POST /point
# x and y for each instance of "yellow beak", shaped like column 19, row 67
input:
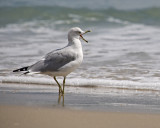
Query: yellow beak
column 83, row 34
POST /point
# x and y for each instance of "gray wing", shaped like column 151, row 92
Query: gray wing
column 53, row 61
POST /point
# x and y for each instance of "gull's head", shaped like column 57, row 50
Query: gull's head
column 76, row 33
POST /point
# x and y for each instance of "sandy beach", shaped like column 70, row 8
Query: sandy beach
column 42, row 117
column 28, row 106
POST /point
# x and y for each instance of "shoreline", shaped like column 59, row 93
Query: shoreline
column 40, row 117
column 80, row 98
column 33, row 106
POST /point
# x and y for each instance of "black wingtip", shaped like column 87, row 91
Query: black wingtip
column 17, row 70
column 21, row 69
column 26, row 73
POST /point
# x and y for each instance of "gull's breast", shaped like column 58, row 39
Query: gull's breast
column 71, row 66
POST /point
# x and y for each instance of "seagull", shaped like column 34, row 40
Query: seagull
column 60, row 62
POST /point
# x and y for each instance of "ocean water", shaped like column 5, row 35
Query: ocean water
column 123, row 50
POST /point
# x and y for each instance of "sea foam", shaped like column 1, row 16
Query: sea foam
column 81, row 82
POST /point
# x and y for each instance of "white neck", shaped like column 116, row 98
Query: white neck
column 74, row 41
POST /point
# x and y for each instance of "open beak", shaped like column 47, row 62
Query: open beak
column 83, row 34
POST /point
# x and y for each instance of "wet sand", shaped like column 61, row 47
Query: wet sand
column 43, row 117
column 81, row 98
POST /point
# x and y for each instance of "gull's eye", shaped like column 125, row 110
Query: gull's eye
column 78, row 32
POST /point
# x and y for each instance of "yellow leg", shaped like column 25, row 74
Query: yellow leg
column 60, row 89
column 64, row 80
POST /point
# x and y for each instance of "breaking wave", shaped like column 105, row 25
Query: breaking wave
column 67, row 16
column 89, row 83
